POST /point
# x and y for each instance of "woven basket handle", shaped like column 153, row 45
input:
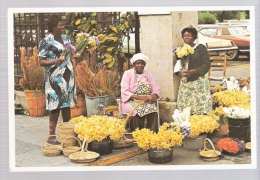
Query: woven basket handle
column 68, row 138
column 83, row 147
column 205, row 147
column 129, row 114
column 45, row 139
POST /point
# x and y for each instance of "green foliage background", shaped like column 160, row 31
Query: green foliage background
column 210, row 17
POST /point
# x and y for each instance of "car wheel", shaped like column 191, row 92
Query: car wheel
column 232, row 55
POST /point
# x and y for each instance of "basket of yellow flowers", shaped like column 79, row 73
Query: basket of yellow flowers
column 195, row 130
column 99, row 131
column 159, row 145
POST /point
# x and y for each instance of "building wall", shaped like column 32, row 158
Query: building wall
column 156, row 43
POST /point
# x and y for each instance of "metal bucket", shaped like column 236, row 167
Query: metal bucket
column 104, row 147
column 194, row 144
column 160, row 156
column 92, row 103
column 239, row 128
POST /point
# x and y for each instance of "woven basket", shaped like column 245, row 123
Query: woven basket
column 52, row 150
column 71, row 149
column 207, row 153
column 124, row 142
column 66, row 130
column 248, row 146
column 83, row 156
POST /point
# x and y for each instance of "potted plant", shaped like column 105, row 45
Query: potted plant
column 32, row 82
column 159, row 145
column 231, row 146
column 99, row 131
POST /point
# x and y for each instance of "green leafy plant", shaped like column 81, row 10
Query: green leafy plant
column 99, row 75
column 107, row 42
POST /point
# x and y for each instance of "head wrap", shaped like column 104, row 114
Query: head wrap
column 139, row 56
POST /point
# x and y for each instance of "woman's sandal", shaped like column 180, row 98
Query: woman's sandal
column 53, row 142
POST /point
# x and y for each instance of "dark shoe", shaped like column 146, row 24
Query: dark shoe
column 53, row 142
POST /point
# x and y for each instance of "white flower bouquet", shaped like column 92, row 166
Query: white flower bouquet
column 236, row 112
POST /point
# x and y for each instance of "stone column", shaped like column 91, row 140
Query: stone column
column 156, row 43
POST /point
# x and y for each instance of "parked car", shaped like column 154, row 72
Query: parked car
column 239, row 35
column 215, row 46
column 240, row 23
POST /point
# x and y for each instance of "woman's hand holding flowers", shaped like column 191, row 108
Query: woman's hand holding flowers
column 182, row 73
column 190, row 72
column 58, row 61
column 187, row 74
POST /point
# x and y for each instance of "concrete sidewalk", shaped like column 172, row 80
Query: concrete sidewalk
column 30, row 132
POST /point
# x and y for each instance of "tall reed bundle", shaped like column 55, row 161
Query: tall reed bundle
column 33, row 73
column 101, row 83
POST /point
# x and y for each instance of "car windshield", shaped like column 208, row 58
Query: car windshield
column 237, row 31
column 210, row 32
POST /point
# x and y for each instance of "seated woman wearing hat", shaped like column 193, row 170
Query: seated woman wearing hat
column 139, row 93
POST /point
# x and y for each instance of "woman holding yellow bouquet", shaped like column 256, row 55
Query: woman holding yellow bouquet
column 192, row 66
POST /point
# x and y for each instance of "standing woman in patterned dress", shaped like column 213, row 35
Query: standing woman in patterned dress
column 60, row 87
column 195, row 93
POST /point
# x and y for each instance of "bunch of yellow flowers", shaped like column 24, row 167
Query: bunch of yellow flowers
column 216, row 88
column 203, row 124
column 184, row 50
column 169, row 135
column 97, row 128
column 229, row 98
column 84, row 40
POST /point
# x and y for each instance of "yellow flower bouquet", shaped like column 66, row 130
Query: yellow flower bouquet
column 169, row 135
column 86, row 41
column 183, row 52
column 199, row 124
column 98, row 128
column 229, row 98
column 203, row 124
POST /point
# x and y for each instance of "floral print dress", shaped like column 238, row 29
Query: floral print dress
column 196, row 94
column 60, row 87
